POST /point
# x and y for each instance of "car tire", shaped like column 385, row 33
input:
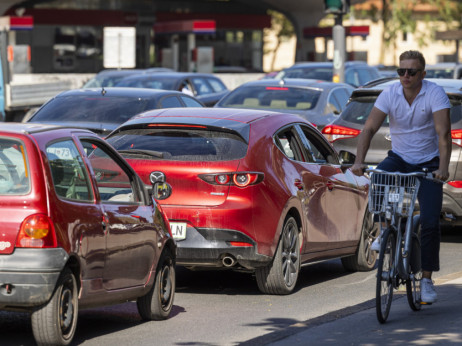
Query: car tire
column 280, row 276
column 158, row 302
column 364, row 259
column 55, row 322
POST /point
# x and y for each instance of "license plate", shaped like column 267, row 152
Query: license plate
column 178, row 230
column 393, row 197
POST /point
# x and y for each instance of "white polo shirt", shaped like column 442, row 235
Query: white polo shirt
column 412, row 130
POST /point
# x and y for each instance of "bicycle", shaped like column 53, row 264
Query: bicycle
column 392, row 197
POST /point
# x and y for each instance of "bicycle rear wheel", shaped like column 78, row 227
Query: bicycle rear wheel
column 384, row 287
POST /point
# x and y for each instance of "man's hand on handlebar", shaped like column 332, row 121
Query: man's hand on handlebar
column 442, row 175
column 358, row 169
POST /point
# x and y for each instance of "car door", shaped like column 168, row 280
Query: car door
column 311, row 188
column 131, row 237
column 75, row 209
column 343, row 201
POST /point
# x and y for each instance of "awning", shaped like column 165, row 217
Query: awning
column 185, row 26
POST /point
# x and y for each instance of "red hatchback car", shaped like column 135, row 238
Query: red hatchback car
column 251, row 190
column 79, row 229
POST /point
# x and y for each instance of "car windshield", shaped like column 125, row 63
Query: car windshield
column 179, row 144
column 272, row 97
column 14, row 173
column 96, row 109
column 322, row 73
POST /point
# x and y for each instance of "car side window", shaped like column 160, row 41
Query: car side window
column 341, row 95
column 316, row 146
column 190, row 102
column 286, row 140
column 114, row 184
column 216, row 84
column 170, row 102
column 201, row 86
column 14, row 171
column 70, row 177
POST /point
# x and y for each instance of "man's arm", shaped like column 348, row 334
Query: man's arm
column 372, row 125
column 442, row 122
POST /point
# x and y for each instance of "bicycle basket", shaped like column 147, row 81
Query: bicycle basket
column 393, row 192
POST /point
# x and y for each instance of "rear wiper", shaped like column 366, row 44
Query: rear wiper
column 142, row 152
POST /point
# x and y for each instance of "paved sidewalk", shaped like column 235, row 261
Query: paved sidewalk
column 436, row 324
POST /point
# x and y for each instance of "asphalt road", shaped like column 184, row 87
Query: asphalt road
column 226, row 308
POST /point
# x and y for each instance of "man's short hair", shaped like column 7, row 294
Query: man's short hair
column 413, row 55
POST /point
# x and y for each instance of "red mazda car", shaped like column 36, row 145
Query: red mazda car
column 251, row 190
column 79, row 230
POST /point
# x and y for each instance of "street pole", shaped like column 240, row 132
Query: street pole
column 338, row 35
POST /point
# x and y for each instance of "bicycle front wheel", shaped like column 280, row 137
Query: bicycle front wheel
column 384, row 288
column 413, row 283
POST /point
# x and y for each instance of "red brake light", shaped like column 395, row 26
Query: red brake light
column 36, row 231
column 240, row 179
column 240, row 244
column 455, row 183
column 456, row 136
column 334, row 132
column 277, row 88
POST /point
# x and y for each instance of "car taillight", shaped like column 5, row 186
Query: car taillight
column 455, row 183
column 36, row 231
column 334, row 132
column 240, row 179
column 456, row 136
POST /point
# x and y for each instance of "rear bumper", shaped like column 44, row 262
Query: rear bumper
column 28, row 276
column 213, row 248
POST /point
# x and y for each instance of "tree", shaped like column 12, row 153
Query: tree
column 283, row 30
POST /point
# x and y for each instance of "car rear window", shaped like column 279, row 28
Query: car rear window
column 272, row 97
column 185, row 144
column 14, row 171
column 323, row 73
column 98, row 109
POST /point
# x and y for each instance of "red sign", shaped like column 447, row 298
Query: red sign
column 185, row 26
column 17, row 23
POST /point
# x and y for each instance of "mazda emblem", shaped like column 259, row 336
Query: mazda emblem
column 155, row 177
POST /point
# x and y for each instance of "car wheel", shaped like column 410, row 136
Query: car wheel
column 280, row 276
column 54, row 323
column 158, row 302
column 364, row 259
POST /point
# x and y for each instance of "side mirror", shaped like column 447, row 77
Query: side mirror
column 346, row 157
column 161, row 190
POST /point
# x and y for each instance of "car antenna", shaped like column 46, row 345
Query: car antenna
column 103, row 91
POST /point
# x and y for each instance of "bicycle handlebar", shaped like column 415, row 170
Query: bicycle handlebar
column 423, row 174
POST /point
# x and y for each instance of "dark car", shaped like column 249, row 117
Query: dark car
column 317, row 101
column 343, row 133
column 79, row 230
column 110, row 77
column 356, row 72
column 444, row 70
column 102, row 110
column 252, row 190
column 205, row 87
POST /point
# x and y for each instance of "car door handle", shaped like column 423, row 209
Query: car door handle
column 330, row 185
column 298, row 184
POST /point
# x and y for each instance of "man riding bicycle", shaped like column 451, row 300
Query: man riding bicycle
column 420, row 130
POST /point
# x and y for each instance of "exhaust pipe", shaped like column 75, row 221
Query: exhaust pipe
column 228, row 261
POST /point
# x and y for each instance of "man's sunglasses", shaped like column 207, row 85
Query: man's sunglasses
column 410, row 71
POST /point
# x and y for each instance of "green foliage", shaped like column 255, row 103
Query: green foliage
column 283, row 30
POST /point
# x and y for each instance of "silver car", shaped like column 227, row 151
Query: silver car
column 343, row 134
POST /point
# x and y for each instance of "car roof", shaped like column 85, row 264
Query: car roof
column 296, row 82
column 30, row 128
column 118, row 92
column 171, row 75
column 233, row 114
column 442, row 65
column 326, row 64
column 375, row 87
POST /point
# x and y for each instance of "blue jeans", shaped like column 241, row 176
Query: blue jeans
column 430, row 199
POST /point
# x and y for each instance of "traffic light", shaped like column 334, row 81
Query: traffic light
column 336, row 6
